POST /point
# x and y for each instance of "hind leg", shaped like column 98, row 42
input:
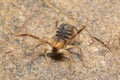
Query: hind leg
column 71, row 59
column 81, row 56
column 101, row 43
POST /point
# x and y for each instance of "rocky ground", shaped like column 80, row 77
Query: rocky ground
column 99, row 41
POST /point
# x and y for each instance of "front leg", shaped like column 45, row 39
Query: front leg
column 42, row 40
column 81, row 56
column 71, row 47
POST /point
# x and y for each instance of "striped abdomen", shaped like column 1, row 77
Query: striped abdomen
column 64, row 32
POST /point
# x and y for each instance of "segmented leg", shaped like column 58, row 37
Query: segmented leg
column 48, row 3
column 45, row 52
column 101, row 43
column 33, row 57
column 56, row 25
column 71, row 39
column 71, row 46
column 71, row 59
column 54, row 8
column 30, row 35
column 81, row 55
column 36, row 46
column 76, row 30
column 43, row 41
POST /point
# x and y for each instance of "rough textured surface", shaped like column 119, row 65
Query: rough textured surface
column 38, row 17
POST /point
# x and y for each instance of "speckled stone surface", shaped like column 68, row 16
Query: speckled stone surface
column 38, row 17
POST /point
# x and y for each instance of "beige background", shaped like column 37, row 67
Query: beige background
column 38, row 17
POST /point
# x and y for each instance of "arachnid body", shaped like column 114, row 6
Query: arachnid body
column 65, row 34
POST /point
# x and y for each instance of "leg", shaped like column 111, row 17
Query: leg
column 75, row 29
column 35, row 55
column 102, row 43
column 43, row 41
column 45, row 52
column 36, row 46
column 71, row 39
column 71, row 46
column 48, row 3
column 54, row 8
column 81, row 56
column 83, row 26
column 30, row 35
column 56, row 25
column 71, row 59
